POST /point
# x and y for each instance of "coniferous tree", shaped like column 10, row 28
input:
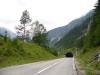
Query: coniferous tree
column 5, row 37
column 93, row 37
column 21, row 29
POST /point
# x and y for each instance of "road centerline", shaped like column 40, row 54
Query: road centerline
column 47, row 67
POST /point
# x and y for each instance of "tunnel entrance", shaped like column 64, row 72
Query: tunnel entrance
column 69, row 54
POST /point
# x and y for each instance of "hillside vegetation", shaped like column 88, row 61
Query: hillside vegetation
column 15, row 51
column 91, row 45
column 74, row 35
column 68, row 35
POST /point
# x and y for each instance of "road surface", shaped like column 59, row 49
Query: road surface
column 63, row 66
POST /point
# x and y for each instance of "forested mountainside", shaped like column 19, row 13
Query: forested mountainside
column 90, row 51
column 67, row 36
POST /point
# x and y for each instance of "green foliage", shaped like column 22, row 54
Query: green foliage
column 5, row 37
column 25, row 18
column 22, row 33
column 88, row 61
column 11, row 48
column 40, row 39
column 91, row 45
column 18, row 52
column 93, row 36
column 75, row 37
column 53, row 51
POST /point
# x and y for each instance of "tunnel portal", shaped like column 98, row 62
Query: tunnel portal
column 69, row 54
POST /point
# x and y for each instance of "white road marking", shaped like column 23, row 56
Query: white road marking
column 47, row 68
column 74, row 64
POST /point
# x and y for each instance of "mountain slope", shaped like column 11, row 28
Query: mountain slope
column 70, row 39
column 10, row 34
column 57, row 36
column 89, row 56
column 13, row 52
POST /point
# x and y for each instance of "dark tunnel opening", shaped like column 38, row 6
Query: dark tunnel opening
column 69, row 54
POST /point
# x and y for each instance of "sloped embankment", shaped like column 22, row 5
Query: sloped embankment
column 13, row 52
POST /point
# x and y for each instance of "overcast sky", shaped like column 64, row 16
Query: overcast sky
column 51, row 13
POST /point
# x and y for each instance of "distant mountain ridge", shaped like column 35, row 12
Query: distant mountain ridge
column 57, row 34
column 10, row 34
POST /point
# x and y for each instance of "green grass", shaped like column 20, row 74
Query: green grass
column 18, row 52
column 87, row 61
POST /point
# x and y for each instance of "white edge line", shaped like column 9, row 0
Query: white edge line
column 47, row 67
column 74, row 64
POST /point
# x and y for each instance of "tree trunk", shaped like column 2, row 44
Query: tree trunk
column 24, row 33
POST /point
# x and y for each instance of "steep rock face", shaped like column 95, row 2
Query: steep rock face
column 79, row 25
column 10, row 34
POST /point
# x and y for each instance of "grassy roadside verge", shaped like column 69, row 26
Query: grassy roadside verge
column 18, row 52
column 88, row 62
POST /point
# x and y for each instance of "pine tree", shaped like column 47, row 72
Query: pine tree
column 21, row 29
column 93, row 37
column 5, row 37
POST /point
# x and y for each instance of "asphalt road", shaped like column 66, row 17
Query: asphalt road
column 63, row 66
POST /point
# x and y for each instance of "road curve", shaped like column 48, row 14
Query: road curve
column 62, row 66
